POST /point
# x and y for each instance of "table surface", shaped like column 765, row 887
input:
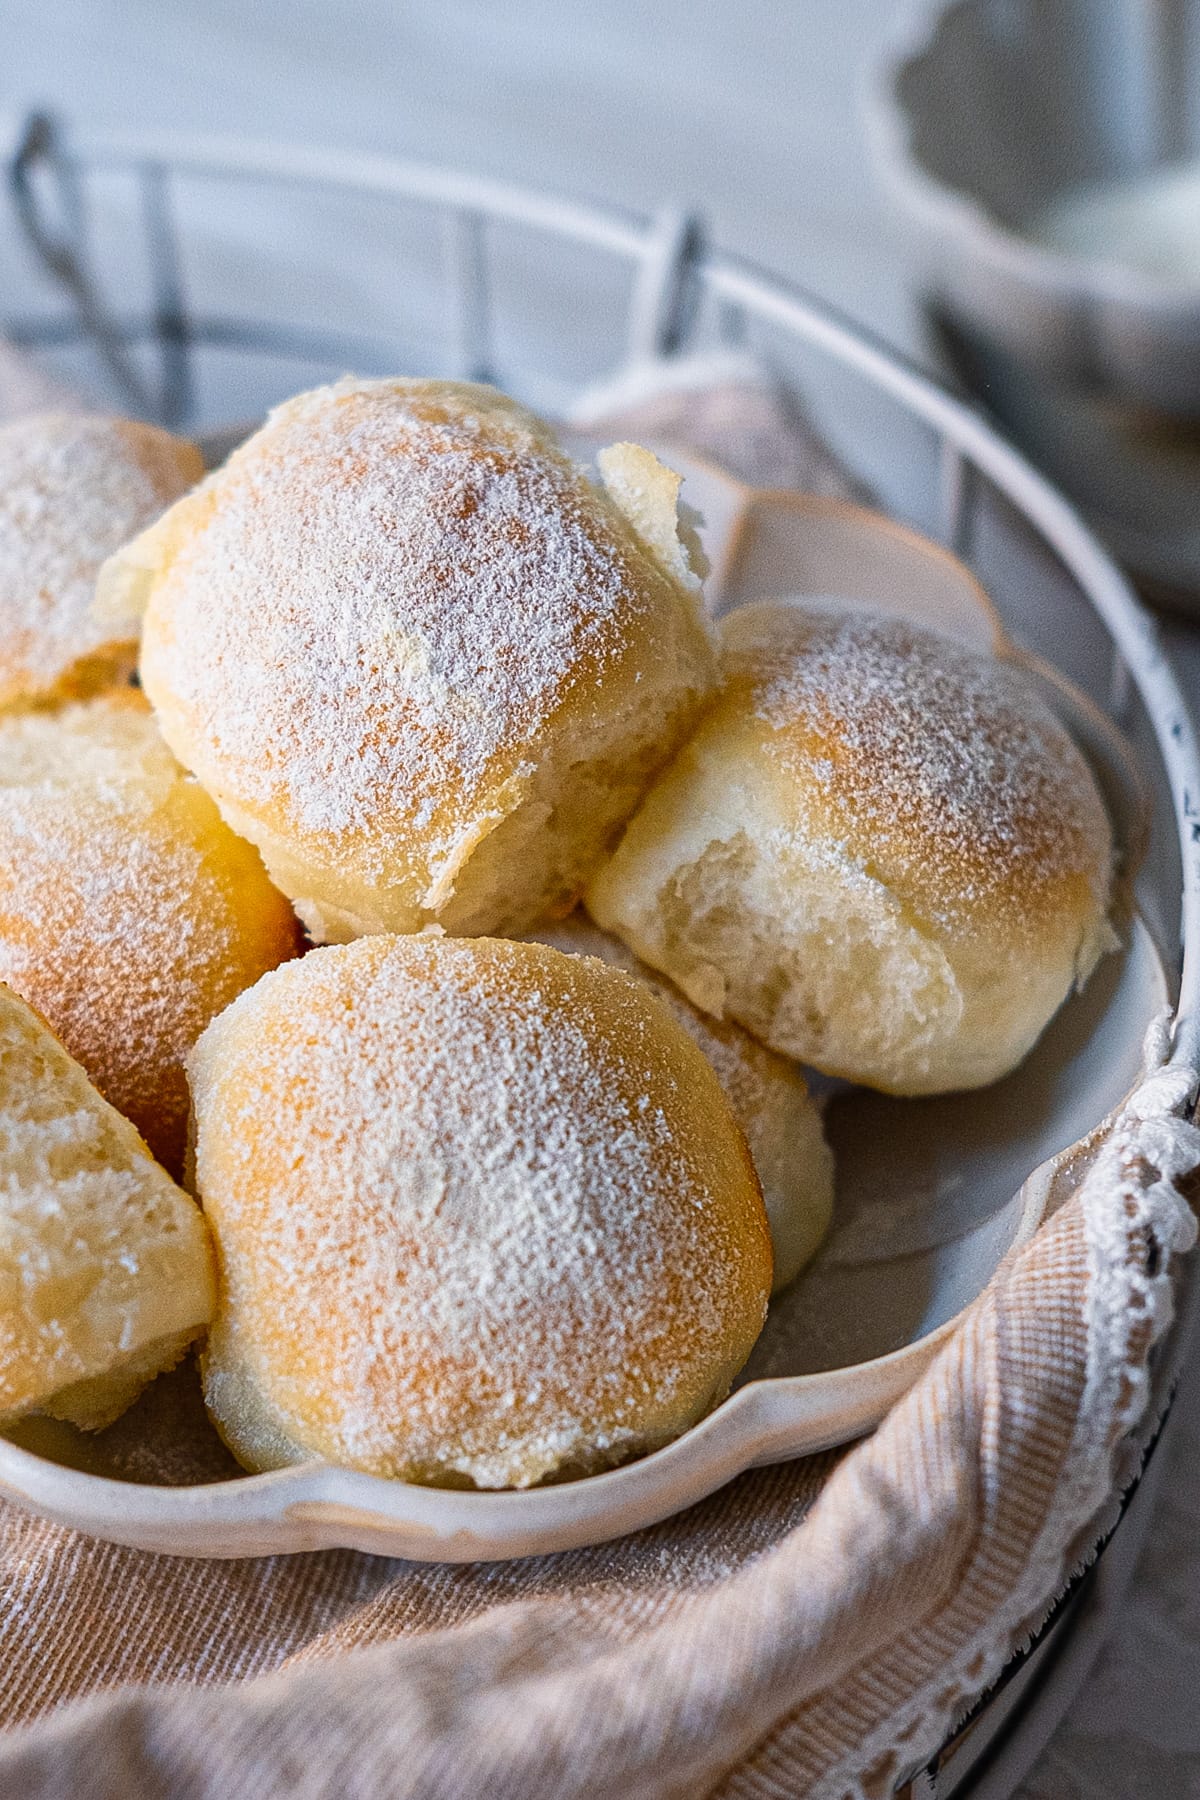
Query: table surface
column 751, row 113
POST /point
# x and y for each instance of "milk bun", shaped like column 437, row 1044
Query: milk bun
column 106, row 1271
column 880, row 852
column 768, row 1094
column 415, row 656
column 482, row 1211
column 73, row 488
column 129, row 913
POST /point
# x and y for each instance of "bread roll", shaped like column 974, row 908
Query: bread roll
column 106, row 1272
column 483, row 1215
column 416, row 657
column 768, row 1094
column 880, row 853
column 129, row 913
column 72, row 489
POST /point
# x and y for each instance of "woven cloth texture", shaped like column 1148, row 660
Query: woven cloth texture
column 811, row 1629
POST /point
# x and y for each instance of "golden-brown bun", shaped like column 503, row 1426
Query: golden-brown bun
column 482, row 1214
column 129, row 913
column 106, row 1270
column 73, row 487
column 880, row 852
column 768, row 1094
column 415, row 656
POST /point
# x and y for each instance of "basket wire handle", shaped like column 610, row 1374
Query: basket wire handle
column 467, row 276
column 663, row 303
column 955, row 498
column 61, row 246
column 171, row 326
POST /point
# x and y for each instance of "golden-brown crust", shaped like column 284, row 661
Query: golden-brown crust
column 389, row 636
column 482, row 1215
column 129, row 913
column 73, row 487
column 936, row 768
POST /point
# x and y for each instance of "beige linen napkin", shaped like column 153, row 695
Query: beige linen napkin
column 813, row 1629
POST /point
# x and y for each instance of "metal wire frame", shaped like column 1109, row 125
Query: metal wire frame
column 661, row 251
column 672, row 273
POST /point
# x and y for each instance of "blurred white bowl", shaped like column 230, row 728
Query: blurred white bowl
column 991, row 119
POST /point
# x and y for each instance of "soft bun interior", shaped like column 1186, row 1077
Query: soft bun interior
column 879, row 852
column 106, row 1270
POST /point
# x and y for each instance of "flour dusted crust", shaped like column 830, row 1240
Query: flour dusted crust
column 129, row 913
column 106, row 1272
column 880, row 853
column 415, row 656
column 768, row 1094
column 483, row 1215
column 73, row 487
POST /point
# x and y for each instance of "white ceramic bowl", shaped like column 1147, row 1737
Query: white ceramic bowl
column 979, row 113
column 931, row 1194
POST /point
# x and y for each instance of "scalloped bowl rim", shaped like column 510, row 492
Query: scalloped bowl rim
column 730, row 1439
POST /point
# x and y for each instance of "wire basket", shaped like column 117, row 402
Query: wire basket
column 134, row 250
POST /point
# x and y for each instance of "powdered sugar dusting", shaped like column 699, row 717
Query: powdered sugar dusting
column 753, row 1077
column 397, row 584
column 73, row 488
column 129, row 914
column 938, row 768
column 478, row 1179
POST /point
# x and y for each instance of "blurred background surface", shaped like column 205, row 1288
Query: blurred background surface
column 747, row 111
